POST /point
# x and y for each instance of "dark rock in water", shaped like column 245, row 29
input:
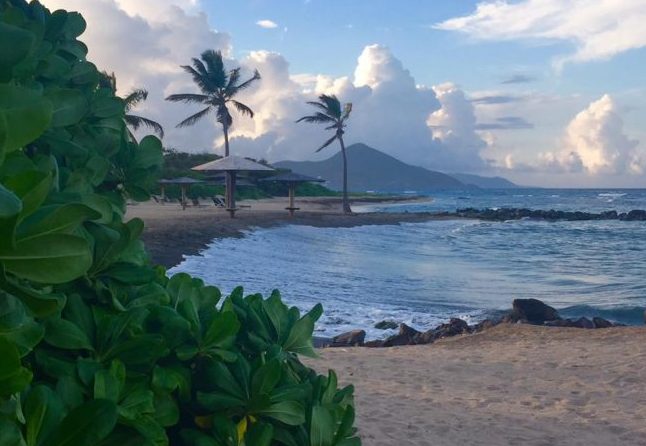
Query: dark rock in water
column 635, row 215
column 374, row 344
column 349, row 339
column 533, row 310
column 386, row 325
column 600, row 322
column 583, row 322
column 406, row 336
column 319, row 342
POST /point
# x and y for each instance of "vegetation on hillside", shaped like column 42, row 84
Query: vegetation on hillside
column 98, row 346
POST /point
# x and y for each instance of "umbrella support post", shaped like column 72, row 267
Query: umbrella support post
column 292, row 193
column 230, row 193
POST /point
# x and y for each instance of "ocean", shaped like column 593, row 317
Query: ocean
column 425, row 273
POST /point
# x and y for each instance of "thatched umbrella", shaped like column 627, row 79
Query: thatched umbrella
column 184, row 184
column 293, row 179
column 231, row 165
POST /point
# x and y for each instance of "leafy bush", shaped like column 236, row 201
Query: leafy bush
column 97, row 346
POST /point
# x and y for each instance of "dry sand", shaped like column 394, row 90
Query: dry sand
column 171, row 232
column 510, row 385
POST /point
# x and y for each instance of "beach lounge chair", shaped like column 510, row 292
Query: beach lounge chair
column 219, row 202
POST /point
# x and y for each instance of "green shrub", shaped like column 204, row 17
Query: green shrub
column 97, row 346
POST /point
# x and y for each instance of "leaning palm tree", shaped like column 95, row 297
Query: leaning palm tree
column 134, row 122
column 218, row 87
column 330, row 113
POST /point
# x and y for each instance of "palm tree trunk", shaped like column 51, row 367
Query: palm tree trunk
column 229, row 176
column 345, row 201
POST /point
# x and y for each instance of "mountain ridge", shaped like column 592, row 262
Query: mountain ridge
column 370, row 169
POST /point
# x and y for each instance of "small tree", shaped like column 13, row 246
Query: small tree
column 331, row 113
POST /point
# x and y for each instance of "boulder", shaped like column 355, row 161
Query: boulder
column 560, row 323
column 583, row 322
column 485, row 325
column 600, row 322
column 374, row 343
column 406, row 336
column 532, row 310
column 349, row 339
column 453, row 328
column 386, row 325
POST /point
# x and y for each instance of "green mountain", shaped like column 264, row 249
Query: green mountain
column 372, row 170
column 484, row 182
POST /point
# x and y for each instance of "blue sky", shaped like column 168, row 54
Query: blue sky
column 545, row 92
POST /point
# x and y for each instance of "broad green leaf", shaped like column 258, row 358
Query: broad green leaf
column 86, row 425
column 300, row 338
column 10, row 434
column 51, row 258
column 222, row 330
column 13, row 376
column 266, row 378
column 43, row 411
column 10, row 208
column 136, row 403
column 322, row 427
column 166, row 409
column 68, row 106
column 26, row 113
column 66, row 335
column 288, row 412
column 51, row 219
column 259, row 434
column 32, row 187
column 16, row 45
column 149, row 153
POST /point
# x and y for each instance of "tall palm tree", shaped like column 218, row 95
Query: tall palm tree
column 135, row 122
column 331, row 113
column 218, row 88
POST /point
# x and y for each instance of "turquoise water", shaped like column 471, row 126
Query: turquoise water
column 425, row 273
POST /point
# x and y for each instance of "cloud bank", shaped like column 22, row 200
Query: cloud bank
column 598, row 29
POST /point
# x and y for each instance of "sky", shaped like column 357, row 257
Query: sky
column 547, row 93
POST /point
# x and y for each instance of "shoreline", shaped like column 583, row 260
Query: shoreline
column 171, row 233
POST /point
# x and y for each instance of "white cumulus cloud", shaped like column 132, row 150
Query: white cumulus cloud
column 595, row 143
column 599, row 29
column 267, row 24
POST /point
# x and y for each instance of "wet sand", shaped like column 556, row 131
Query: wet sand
column 170, row 232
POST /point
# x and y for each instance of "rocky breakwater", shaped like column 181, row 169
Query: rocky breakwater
column 524, row 311
column 504, row 214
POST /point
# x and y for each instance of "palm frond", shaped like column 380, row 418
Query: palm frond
column 327, row 143
column 246, row 84
column 135, row 97
column 215, row 67
column 189, row 98
column 322, row 107
column 333, row 105
column 333, row 126
column 136, row 122
column 242, row 108
column 234, row 77
column 200, row 79
column 194, row 118
column 318, row 118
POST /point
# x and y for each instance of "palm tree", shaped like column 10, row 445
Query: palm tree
column 137, row 95
column 330, row 113
column 135, row 122
column 218, row 88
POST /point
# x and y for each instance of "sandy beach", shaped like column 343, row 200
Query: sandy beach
column 509, row 385
column 172, row 232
